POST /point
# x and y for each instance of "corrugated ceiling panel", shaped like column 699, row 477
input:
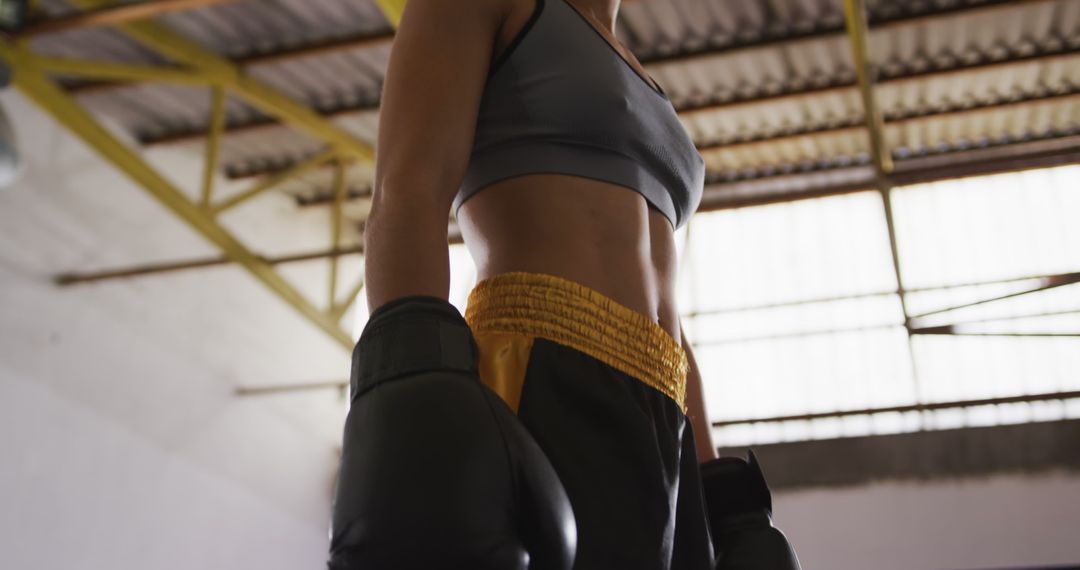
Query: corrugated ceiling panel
column 351, row 79
column 280, row 145
column 243, row 28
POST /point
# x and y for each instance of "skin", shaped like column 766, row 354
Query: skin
column 607, row 238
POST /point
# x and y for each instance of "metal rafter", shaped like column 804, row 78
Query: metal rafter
column 33, row 83
column 855, row 15
column 991, row 165
column 75, row 67
column 335, row 231
column 1010, row 157
column 857, row 26
column 222, row 75
column 270, row 181
column 69, row 279
column 202, row 67
column 1046, row 282
column 763, row 42
column 237, row 171
column 224, row 72
column 907, row 408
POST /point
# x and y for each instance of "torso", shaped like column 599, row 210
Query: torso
column 599, row 234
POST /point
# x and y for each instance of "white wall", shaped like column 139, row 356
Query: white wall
column 995, row 522
column 122, row 443
column 82, row 491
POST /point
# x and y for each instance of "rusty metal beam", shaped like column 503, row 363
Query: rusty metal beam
column 996, row 159
column 881, row 156
column 906, row 408
column 1050, row 282
column 291, row 388
column 1053, row 278
column 113, row 15
column 213, row 144
column 74, row 278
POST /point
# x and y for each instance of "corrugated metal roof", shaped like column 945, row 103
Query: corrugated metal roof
column 764, row 87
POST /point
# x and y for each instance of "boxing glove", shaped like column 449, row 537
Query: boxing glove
column 436, row 470
column 739, row 507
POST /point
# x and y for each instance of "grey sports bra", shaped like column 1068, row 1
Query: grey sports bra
column 561, row 99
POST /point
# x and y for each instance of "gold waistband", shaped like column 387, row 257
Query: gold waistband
column 581, row 318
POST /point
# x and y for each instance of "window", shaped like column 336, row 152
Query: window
column 793, row 309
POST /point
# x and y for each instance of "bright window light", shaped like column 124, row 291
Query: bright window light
column 793, row 309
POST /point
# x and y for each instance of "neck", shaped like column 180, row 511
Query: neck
column 603, row 11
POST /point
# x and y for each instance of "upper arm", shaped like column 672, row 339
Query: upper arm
column 431, row 95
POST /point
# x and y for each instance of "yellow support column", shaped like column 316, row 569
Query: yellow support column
column 392, row 9
column 340, row 187
column 213, row 143
column 855, row 17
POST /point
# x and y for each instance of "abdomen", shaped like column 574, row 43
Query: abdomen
column 599, row 234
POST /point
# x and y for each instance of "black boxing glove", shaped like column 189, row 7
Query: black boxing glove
column 436, row 471
column 739, row 507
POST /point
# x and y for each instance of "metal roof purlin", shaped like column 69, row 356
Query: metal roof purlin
column 226, row 73
column 33, row 83
column 857, row 27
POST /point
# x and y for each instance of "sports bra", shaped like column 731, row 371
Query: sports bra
column 561, row 99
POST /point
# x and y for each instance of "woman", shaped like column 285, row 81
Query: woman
column 560, row 422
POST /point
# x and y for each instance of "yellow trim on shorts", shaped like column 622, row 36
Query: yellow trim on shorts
column 571, row 314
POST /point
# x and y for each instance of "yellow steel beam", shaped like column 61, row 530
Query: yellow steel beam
column 213, row 143
column 855, row 16
column 75, row 67
column 33, row 83
column 335, row 229
column 339, row 308
column 272, row 181
column 220, row 70
column 392, row 9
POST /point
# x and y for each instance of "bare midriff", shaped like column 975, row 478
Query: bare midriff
column 601, row 235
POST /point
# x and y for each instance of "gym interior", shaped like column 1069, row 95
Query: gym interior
column 881, row 284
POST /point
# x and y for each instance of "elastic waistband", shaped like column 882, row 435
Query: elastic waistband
column 571, row 314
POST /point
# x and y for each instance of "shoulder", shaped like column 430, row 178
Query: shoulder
column 490, row 11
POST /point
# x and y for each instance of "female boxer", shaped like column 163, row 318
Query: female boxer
column 559, row 423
